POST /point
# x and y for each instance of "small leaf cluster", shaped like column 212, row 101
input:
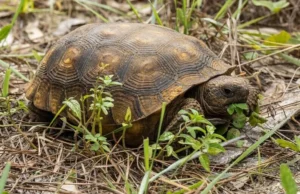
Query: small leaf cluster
column 238, row 114
column 239, row 118
column 101, row 103
column 237, row 111
column 97, row 142
column 197, row 133
column 102, row 100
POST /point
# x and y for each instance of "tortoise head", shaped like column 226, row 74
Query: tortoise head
column 218, row 93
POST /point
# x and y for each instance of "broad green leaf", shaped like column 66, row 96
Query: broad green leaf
column 239, row 120
column 240, row 143
column 215, row 148
column 74, row 106
column 282, row 38
column 105, row 148
column 175, row 155
column 287, row 180
column 215, row 135
column 256, row 119
column 101, row 138
column 274, row 7
column 4, row 176
column 210, row 129
column 5, row 31
column 194, row 111
column 192, row 130
column 233, row 133
column 5, row 84
column 242, row 106
column 104, row 110
column 183, row 112
column 297, row 140
column 128, row 115
column 37, row 56
column 166, row 136
column 185, row 118
column 95, row 147
column 250, row 55
column 231, row 109
column 204, row 160
column 108, row 104
column 169, row 150
column 90, row 137
column 155, row 146
column 287, row 144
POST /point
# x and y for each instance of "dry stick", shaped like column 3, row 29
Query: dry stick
column 188, row 158
column 265, row 56
column 291, row 80
column 24, row 135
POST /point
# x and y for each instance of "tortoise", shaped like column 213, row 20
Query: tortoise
column 154, row 64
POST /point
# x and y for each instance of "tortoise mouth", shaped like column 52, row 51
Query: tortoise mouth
column 219, row 110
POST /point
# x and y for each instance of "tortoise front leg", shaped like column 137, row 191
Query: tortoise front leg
column 173, row 119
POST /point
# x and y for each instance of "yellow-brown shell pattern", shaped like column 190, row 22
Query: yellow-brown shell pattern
column 154, row 64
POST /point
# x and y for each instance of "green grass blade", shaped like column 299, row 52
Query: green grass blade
column 155, row 16
column 224, row 8
column 6, row 29
column 192, row 187
column 19, row 9
column 290, row 59
column 5, row 85
column 58, row 113
column 146, row 154
column 246, row 24
column 16, row 72
column 191, row 10
column 154, row 8
column 239, row 9
column 214, row 22
column 134, row 11
column 109, row 8
column 145, row 181
column 245, row 154
column 91, row 10
column 287, row 180
column 4, row 176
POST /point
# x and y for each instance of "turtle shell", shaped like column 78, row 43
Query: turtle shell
column 155, row 65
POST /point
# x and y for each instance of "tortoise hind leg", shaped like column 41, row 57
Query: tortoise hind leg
column 38, row 114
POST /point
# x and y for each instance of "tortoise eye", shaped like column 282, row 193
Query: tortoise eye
column 228, row 92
